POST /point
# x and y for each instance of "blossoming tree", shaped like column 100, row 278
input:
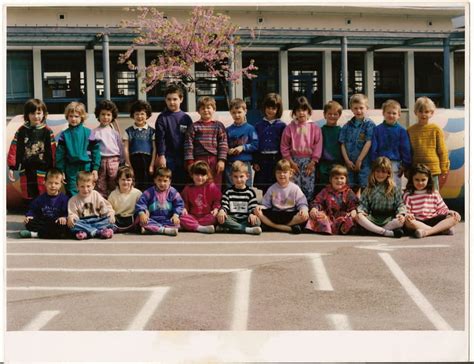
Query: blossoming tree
column 205, row 38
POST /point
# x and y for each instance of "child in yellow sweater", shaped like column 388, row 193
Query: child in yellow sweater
column 427, row 142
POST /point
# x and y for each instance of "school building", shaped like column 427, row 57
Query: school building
column 64, row 54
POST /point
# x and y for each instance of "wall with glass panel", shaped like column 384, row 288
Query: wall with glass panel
column 429, row 76
column 63, row 76
column 20, row 85
column 305, row 77
column 123, row 82
column 355, row 77
column 389, row 80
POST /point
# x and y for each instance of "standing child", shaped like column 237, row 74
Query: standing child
column 139, row 144
column 390, row 140
column 89, row 214
column 355, row 139
column 111, row 146
column 171, row 127
column 335, row 207
column 202, row 200
column 427, row 212
column 284, row 206
column 123, row 200
column 381, row 209
column 77, row 149
column 206, row 140
column 47, row 215
column 269, row 131
column 301, row 145
column 427, row 142
column 242, row 139
column 160, row 206
column 331, row 154
column 32, row 150
column 238, row 203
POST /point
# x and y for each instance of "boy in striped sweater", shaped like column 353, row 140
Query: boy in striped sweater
column 238, row 203
column 206, row 140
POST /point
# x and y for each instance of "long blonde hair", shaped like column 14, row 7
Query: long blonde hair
column 385, row 165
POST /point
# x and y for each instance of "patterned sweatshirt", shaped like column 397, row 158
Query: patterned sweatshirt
column 206, row 139
column 302, row 140
column 93, row 205
column 424, row 205
column 49, row 207
column 239, row 202
column 201, row 200
column 289, row 198
column 161, row 205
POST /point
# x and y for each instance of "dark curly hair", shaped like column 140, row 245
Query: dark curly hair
column 140, row 105
column 106, row 105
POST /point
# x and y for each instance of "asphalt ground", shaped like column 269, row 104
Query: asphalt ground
column 274, row 281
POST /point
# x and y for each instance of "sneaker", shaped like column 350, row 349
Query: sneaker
column 256, row 230
column 221, row 229
column 420, row 233
column 81, row 235
column 398, row 233
column 25, row 234
column 208, row 229
column 296, row 229
column 170, row 231
column 142, row 230
column 106, row 233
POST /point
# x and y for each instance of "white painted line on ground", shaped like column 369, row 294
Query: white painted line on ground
column 167, row 254
column 81, row 289
column 323, row 283
column 148, row 309
column 40, row 321
column 241, row 300
column 180, row 242
column 339, row 321
column 417, row 297
column 123, row 270
column 388, row 248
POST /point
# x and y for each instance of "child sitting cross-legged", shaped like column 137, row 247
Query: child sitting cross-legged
column 160, row 206
column 335, row 207
column 46, row 217
column 238, row 203
column 284, row 206
column 89, row 214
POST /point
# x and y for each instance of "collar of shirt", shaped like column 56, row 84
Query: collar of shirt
column 270, row 121
column 140, row 127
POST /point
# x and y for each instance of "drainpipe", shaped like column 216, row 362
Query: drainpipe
column 106, row 65
column 345, row 93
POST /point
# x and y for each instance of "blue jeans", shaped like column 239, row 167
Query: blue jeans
column 91, row 225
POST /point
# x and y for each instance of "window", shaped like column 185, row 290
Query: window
column 305, row 77
column 389, row 82
column 63, row 75
column 156, row 96
column 267, row 80
column 355, row 76
column 208, row 85
column 19, row 80
column 429, row 76
column 123, row 82
column 459, row 79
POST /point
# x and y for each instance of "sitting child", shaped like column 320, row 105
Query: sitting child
column 202, row 200
column 47, row 215
column 160, row 206
column 89, row 214
column 284, row 206
column 335, row 207
column 123, row 200
column 427, row 212
column 238, row 202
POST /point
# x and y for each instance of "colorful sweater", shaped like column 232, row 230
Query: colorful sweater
column 93, row 205
column 201, row 200
column 124, row 203
column 76, row 145
column 239, row 202
column 161, row 205
column 289, row 198
column 391, row 141
column 424, row 205
column 335, row 203
column 206, row 139
column 171, row 129
column 49, row 207
column 140, row 140
column 428, row 147
column 302, row 140
column 32, row 148
column 244, row 135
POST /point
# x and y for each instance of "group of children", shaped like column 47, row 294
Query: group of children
column 328, row 180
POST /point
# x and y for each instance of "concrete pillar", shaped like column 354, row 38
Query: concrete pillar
column 446, row 73
column 369, row 78
column 141, row 64
column 410, row 85
column 344, row 70
column 106, row 65
column 283, row 55
column 37, row 74
column 191, row 104
column 90, row 81
column 327, row 77
column 452, row 87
